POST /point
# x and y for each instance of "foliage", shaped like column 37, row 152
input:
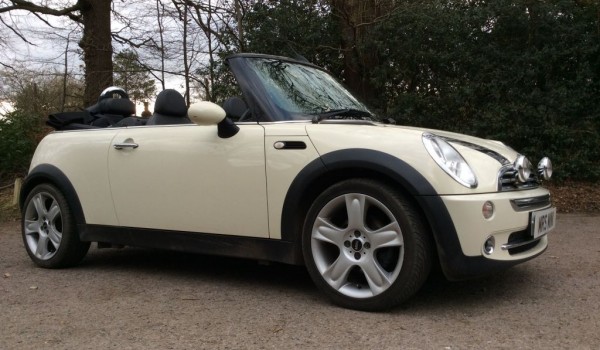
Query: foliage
column 40, row 93
column 296, row 28
column 132, row 76
column 33, row 95
column 19, row 135
column 526, row 73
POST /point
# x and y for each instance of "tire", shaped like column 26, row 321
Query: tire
column 49, row 232
column 365, row 246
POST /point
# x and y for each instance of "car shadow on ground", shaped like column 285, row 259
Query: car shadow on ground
column 512, row 286
column 198, row 266
column 509, row 286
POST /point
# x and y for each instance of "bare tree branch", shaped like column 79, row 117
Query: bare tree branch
column 33, row 8
column 16, row 32
column 7, row 66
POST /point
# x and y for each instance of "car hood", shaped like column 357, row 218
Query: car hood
column 485, row 157
column 495, row 149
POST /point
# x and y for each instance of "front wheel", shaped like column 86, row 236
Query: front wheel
column 365, row 246
column 49, row 230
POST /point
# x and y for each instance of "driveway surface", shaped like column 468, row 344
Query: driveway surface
column 146, row 299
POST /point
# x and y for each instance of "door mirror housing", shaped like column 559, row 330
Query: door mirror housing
column 206, row 113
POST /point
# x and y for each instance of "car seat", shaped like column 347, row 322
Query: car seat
column 169, row 108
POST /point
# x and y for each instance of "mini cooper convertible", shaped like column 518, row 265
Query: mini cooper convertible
column 294, row 170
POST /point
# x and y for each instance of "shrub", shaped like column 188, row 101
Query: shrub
column 19, row 135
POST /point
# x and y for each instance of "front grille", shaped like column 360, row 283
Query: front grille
column 508, row 180
column 531, row 203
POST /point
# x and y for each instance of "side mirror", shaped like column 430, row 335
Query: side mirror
column 208, row 113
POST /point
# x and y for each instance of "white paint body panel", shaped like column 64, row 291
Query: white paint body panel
column 82, row 157
column 283, row 165
column 186, row 178
column 405, row 143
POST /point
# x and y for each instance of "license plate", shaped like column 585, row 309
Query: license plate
column 542, row 222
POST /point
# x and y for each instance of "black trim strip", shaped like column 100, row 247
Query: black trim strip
column 497, row 156
column 46, row 173
column 193, row 242
column 289, row 145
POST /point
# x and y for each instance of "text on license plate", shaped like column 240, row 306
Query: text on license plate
column 542, row 222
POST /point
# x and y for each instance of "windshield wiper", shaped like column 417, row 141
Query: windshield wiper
column 343, row 113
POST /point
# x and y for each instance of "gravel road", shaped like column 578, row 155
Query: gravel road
column 145, row 299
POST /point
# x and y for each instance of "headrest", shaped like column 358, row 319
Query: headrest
column 235, row 107
column 119, row 106
column 170, row 102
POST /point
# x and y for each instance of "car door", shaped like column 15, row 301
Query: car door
column 186, row 178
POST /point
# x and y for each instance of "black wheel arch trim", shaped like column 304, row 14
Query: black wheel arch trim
column 454, row 263
column 350, row 159
column 47, row 173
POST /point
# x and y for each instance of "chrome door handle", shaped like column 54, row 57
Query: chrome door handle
column 126, row 145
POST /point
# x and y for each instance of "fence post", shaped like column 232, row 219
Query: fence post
column 18, row 183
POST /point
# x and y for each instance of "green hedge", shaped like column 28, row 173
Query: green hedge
column 18, row 139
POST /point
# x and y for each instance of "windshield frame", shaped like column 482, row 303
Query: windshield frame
column 258, row 97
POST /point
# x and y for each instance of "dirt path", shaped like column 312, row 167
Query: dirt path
column 144, row 299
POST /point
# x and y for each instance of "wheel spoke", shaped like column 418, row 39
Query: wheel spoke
column 337, row 274
column 38, row 203
column 42, row 246
column 327, row 232
column 53, row 212
column 355, row 206
column 55, row 237
column 32, row 226
column 376, row 277
column 387, row 236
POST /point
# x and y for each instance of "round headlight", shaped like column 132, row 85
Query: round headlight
column 448, row 158
column 545, row 168
column 523, row 166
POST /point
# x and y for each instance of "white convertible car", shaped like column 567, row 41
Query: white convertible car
column 297, row 171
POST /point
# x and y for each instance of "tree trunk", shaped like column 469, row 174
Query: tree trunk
column 355, row 19
column 240, row 27
column 186, row 64
column 159, row 20
column 96, row 44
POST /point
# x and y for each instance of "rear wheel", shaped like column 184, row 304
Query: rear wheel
column 49, row 231
column 365, row 245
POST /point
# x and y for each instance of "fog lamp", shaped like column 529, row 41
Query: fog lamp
column 488, row 246
column 545, row 168
column 487, row 209
column 523, row 166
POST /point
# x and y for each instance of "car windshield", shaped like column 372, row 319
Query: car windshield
column 304, row 92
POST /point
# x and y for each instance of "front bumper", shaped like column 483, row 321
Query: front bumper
column 461, row 231
column 505, row 226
